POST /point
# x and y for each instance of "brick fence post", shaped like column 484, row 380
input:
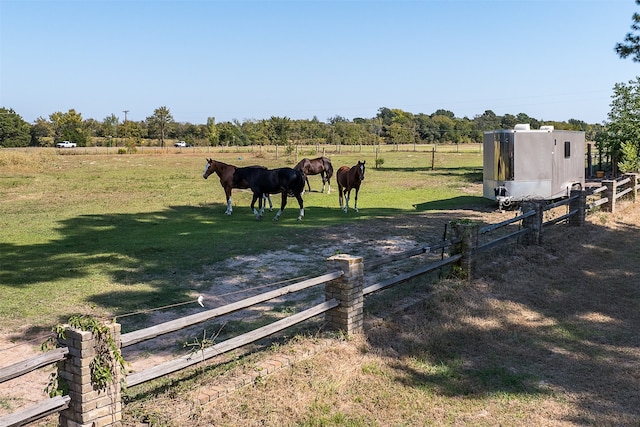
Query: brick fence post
column 533, row 223
column 579, row 203
column 609, row 193
column 89, row 406
column 347, row 289
column 465, row 238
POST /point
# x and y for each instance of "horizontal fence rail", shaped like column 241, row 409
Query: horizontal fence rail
column 408, row 254
column 410, row 275
column 35, row 412
column 175, row 325
column 493, row 227
column 25, row 366
column 500, row 240
column 228, row 345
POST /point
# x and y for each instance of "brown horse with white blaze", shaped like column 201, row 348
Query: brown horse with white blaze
column 349, row 178
column 225, row 173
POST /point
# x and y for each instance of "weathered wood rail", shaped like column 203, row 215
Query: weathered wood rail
column 344, row 293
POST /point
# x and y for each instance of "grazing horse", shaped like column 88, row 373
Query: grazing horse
column 321, row 165
column 349, row 178
column 286, row 181
column 225, row 172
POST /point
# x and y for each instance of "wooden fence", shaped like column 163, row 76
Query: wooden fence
column 343, row 307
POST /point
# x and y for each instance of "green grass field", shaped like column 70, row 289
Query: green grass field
column 109, row 234
column 544, row 336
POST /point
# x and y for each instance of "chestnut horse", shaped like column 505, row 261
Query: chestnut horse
column 321, row 165
column 287, row 181
column 349, row 178
column 225, row 172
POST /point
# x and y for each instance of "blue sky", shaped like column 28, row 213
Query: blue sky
column 550, row 59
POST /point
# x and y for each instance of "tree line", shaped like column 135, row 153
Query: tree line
column 389, row 126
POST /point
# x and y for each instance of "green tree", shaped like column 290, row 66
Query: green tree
column 279, row 130
column 213, row 137
column 622, row 136
column 41, row 129
column 229, row 134
column 109, row 128
column 69, row 126
column 160, row 123
column 631, row 45
column 14, row 131
column 487, row 121
column 509, row 121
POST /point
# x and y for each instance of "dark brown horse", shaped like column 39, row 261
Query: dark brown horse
column 321, row 165
column 225, row 172
column 349, row 178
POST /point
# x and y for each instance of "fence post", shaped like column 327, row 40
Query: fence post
column 633, row 184
column 465, row 238
column 533, row 223
column 610, row 193
column 89, row 406
column 347, row 289
column 580, row 203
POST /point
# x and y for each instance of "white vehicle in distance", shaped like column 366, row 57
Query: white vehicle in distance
column 180, row 144
column 66, row 144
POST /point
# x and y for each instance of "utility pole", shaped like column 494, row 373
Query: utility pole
column 125, row 123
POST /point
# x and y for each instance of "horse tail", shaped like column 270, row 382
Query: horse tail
column 328, row 167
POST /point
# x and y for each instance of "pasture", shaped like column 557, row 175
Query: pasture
column 546, row 336
column 111, row 234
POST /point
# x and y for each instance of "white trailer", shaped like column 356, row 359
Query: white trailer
column 523, row 164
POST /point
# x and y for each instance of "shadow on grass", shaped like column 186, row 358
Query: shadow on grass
column 460, row 202
column 464, row 174
column 537, row 323
column 154, row 254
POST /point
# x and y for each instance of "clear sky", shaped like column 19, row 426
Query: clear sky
column 550, row 59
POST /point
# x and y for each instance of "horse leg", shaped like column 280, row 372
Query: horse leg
column 227, row 192
column 282, row 205
column 340, row 194
column 262, row 204
column 253, row 203
column 301, row 205
column 347, row 194
column 268, row 197
column 355, row 205
column 323, row 181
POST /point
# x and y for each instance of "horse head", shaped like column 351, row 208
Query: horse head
column 361, row 168
column 209, row 169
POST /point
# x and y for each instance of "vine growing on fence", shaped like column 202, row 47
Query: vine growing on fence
column 106, row 361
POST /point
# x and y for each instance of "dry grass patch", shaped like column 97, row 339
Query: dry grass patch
column 544, row 336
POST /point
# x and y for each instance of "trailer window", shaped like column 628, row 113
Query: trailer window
column 567, row 149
